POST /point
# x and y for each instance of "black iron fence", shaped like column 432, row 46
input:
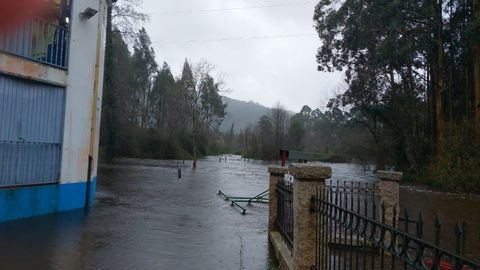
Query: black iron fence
column 355, row 231
column 285, row 211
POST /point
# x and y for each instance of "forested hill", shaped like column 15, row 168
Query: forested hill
column 241, row 114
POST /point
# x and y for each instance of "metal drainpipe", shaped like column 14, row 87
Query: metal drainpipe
column 89, row 177
column 93, row 128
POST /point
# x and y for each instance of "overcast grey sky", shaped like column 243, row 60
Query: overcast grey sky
column 265, row 70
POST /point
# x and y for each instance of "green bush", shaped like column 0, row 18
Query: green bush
column 457, row 169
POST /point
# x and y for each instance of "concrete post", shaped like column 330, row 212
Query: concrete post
column 276, row 175
column 390, row 192
column 307, row 179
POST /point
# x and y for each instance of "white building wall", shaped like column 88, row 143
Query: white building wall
column 80, row 89
column 102, row 30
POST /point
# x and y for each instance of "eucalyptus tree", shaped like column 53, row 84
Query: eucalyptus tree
column 213, row 108
column 126, row 17
column 202, row 101
column 123, row 19
column 407, row 64
column 145, row 69
column 266, row 136
column 296, row 132
column 164, row 97
column 279, row 123
column 116, row 99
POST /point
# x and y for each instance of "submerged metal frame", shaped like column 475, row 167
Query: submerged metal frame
column 235, row 200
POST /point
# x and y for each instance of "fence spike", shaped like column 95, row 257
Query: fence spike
column 336, row 195
column 325, row 192
column 358, row 200
column 438, row 225
column 464, row 237
column 366, row 207
column 407, row 221
column 351, row 195
column 458, row 229
column 420, row 225
column 394, row 210
column 383, row 211
column 330, row 195
column 458, row 236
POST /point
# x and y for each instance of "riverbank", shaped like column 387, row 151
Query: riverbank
column 428, row 190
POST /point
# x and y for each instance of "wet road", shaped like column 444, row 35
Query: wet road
column 146, row 218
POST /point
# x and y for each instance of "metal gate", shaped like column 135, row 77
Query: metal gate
column 355, row 231
column 284, row 219
column 31, row 131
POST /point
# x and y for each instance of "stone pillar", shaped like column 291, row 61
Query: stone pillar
column 276, row 175
column 390, row 193
column 307, row 180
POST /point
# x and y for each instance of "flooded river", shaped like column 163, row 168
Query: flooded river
column 146, row 218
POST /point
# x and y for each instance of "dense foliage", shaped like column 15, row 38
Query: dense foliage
column 326, row 136
column 149, row 113
column 412, row 97
column 413, row 81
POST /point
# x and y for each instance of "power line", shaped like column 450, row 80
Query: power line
column 233, row 39
column 233, row 8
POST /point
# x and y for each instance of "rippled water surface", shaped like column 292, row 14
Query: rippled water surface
column 146, row 218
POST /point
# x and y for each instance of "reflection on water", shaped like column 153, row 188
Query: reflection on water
column 146, row 218
column 450, row 209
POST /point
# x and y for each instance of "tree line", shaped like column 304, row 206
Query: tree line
column 321, row 135
column 412, row 70
column 147, row 112
column 412, row 97
column 411, row 101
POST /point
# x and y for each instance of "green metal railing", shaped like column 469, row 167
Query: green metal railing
column 235, row 200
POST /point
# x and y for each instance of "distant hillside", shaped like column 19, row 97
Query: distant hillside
column 242, row 114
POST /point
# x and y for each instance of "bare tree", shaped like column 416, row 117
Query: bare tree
column 202, row 101
column 126, row 18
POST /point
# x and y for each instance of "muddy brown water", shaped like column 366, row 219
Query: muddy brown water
column 451, row 209
column 146, row 218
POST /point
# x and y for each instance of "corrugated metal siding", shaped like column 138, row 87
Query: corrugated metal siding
column 31, row 131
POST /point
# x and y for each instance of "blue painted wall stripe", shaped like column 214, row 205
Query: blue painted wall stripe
column 31, row 201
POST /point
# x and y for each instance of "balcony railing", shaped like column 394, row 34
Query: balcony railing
column 39, row 41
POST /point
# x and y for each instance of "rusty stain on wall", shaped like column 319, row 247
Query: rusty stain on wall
column 14, row 65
